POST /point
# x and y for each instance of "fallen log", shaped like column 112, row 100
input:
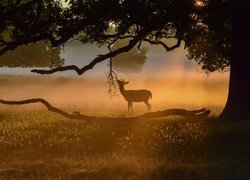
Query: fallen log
column 201, row 113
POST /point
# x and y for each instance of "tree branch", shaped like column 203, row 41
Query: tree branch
column 55, row 42
column 201, row 113
column 6, row 46
column 178, row 43
column 141, row 34
column 48, row 105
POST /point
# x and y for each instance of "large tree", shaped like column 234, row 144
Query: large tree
column 204, row 26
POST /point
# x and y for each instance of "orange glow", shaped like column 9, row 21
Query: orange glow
column 89, row 95
column 199, row 3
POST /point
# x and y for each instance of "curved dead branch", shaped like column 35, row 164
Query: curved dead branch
column 141, row 34
column 201, row 113
column 167, row 48
column 104, row 57
column 47, row 104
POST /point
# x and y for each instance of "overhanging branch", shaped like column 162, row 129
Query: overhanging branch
column 168, row 48
column 6, row 46
column 141, row 34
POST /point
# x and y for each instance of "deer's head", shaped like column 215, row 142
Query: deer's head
column 122, row 82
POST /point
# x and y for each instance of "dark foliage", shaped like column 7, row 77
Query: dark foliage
column 32, row 55
column 204, row 27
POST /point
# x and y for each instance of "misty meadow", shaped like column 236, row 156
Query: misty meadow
column 38, row 144
column 124, row 89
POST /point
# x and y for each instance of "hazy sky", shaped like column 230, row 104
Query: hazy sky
column 159, row 63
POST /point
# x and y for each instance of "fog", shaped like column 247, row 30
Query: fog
column 89, row 96
column 174, row 81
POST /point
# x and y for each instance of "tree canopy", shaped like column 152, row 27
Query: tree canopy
column 203, row 25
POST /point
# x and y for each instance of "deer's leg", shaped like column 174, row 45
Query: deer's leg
column 148, row 105
column 129, row 106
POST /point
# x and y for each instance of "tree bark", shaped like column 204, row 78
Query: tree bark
column 238, row 103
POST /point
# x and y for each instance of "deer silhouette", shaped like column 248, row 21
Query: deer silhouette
column 131, row 96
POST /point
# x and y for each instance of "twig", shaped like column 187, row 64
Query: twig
column 111, row 74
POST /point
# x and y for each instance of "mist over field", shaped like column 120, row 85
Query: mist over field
column 66, row 68
column 46, row 145
column 38, row 144
column 174, row 81
column 89, row 95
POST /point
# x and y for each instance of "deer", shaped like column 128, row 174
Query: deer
column 131, row 96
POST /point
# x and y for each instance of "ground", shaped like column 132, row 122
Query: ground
column 42, row 145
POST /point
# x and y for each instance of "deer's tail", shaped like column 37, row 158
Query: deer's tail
column 150, row 95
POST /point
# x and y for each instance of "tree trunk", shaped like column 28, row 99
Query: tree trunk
column 238, row 103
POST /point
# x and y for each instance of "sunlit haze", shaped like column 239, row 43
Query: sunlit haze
column 175, row 82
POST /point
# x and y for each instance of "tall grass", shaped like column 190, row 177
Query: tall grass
column 42, row 145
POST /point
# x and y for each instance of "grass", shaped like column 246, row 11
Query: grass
column 42, row 145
